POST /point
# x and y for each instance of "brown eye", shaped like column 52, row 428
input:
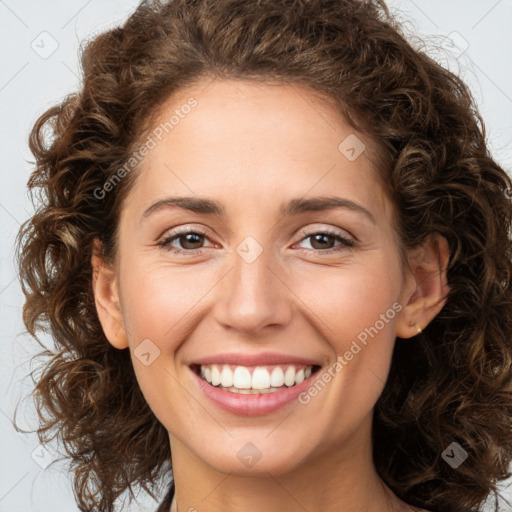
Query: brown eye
column 190, row 240
column 185, row 242
column 323, row 242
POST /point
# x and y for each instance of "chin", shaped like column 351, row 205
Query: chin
column 255, row 455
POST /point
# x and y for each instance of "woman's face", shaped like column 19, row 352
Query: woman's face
column 261, row 286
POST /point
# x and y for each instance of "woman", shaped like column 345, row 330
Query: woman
column 272, row 244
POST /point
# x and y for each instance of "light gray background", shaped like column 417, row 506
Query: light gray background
column 476, row 36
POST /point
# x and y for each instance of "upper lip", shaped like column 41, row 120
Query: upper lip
column 267, row 358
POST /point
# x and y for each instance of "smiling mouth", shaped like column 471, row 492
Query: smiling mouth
column 253, row 380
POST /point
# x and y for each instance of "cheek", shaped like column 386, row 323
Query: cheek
column 156, row 299
column 355, row 309
column 351, row 299
column 158, row 303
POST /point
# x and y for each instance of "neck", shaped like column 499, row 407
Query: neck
column 333, row 479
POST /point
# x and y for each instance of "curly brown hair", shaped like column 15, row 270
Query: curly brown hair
column 453, row 385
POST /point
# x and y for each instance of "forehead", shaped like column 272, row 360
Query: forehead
column 255, row 143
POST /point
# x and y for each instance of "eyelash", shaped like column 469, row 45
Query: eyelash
column 346, row 243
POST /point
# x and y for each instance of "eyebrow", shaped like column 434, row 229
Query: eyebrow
column 293, row 207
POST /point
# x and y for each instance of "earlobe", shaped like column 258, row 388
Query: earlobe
column 426, row 288
column 106, row 298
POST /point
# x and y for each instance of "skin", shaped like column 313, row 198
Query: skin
column 252, row 147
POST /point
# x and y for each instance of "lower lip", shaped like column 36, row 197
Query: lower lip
column 252, row 405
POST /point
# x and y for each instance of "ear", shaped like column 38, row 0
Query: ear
column 106, row 297
column 426, row 287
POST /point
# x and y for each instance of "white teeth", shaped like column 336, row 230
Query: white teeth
column 289, row 376
column 226, row 377
column 251, row 391
column 215, row 376
column 277, row 377
column 242, row 378
column 261, row 381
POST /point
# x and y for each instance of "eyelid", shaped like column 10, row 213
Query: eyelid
column 347, row 242
column 331, row 230
column 183, row 229
column 309, row 230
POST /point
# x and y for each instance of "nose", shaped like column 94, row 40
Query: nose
column 253, row 296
